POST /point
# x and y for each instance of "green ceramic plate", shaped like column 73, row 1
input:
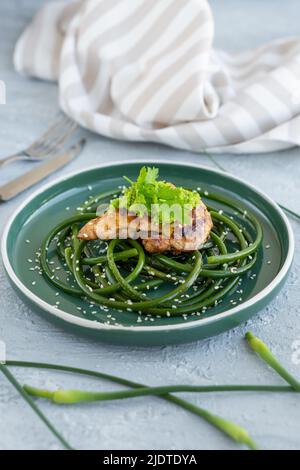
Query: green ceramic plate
column 53, row 203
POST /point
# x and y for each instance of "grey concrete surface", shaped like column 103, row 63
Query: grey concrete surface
column 150, row 423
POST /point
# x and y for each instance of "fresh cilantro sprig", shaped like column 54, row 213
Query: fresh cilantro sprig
column 147, row 191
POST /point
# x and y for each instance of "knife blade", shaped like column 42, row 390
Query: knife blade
column 20, row 184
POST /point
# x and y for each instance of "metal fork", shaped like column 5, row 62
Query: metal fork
column 48, row 144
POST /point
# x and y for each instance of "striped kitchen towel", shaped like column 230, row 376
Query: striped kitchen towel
column 145, row 70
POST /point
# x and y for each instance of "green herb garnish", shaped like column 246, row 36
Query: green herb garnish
column 147, row 191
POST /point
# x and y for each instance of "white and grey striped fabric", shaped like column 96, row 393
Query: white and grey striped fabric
column 145, row 70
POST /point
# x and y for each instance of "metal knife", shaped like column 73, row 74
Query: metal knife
column 18, row 185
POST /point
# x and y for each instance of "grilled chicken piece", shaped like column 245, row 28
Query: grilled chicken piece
column 176, row 238
column 183, row 238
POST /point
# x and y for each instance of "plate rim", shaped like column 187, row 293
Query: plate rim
column 94, row 325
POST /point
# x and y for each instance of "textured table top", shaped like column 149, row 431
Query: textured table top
column 150, row 423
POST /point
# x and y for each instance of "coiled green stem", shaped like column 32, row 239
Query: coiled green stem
column 125, row 276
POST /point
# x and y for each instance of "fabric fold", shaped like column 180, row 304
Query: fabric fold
column 147, row 71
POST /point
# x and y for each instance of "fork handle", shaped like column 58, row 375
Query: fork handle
column 12, row 158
